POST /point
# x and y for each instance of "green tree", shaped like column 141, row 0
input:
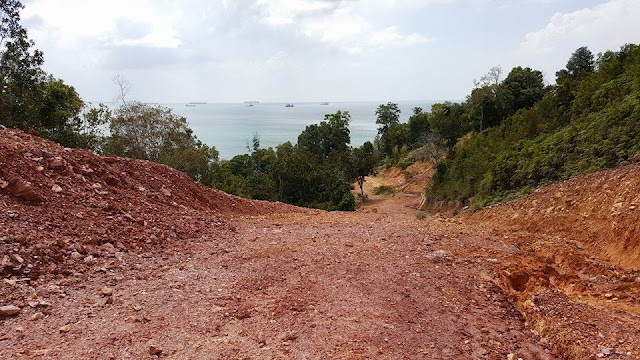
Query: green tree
column 581, row 62
column 148, row 132
column 418, row 128
column 363, row 162
column 526, row 87
column 20, row 72
column 448, row 120
column 386, row 117
column 330, row 136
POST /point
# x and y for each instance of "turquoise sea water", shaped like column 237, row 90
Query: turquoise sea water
column 229, row 127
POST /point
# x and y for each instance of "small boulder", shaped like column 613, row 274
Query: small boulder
column 155, row 350
column 107, row 291
column 56, row 163
column 23, row 190
column 64, row 329
column 108, row 247
column 37, row 316
column 9, row 310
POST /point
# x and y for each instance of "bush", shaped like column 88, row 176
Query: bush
column 384, row 190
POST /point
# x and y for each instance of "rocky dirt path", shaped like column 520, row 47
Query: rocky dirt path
column 304, row 286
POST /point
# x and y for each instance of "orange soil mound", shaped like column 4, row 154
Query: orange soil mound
column 600, row 210
column 61, row 206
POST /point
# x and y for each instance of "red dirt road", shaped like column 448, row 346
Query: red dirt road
column 300, row 286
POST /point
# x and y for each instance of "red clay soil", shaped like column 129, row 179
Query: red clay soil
column 152, row 265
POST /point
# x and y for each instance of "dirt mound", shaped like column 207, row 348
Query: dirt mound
column 600, row 210
column 62, row 210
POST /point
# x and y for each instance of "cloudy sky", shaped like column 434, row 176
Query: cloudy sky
column 313, row 50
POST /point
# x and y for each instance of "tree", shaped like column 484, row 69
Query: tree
column 448, row 121
column 419, row 129
column 20, row 71
column 32, row 100
column 492, row 77
column 363, row 162
column 581, row 61
column 148, row 132
column 330, row 136
column 526, row 87
column 387, row 116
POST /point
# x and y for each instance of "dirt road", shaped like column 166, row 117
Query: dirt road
column 305, row 286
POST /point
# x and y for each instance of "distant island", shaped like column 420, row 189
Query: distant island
column 197, row 103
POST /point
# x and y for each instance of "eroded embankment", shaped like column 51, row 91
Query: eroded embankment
column 577, row 278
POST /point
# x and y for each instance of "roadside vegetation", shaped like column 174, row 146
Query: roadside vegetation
column 588, row 121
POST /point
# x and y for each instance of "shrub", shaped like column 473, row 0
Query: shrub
column 384, row 190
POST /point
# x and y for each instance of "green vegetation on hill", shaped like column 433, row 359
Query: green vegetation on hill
column 589, row 120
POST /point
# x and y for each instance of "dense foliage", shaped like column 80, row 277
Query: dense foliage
column 589, row 120
column 317, row 172
column 31, row 99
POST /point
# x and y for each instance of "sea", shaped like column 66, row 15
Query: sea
column 230, row 127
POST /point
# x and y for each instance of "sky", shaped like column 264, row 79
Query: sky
column 313, row 50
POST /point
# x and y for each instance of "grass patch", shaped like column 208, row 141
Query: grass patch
column 384, row 190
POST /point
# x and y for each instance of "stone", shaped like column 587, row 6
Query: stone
column 166, row 191
column 76, row 255
column 511, row 356
column 18, row 258
column 40, row 352
column 9, row 310
column 3, row 184
column 23, row 190
column 155, row 350
column 605, row 352
column 108, row 247
column 65, row 329
column 37, row 316
column 89, row 259
column 56, row 188
column 56, row 163
column 107, row 291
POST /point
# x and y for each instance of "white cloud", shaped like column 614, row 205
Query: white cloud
column 390, row 36
column 339, row 24
column 79, row 20
column 606, row 26
column 280, row 12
